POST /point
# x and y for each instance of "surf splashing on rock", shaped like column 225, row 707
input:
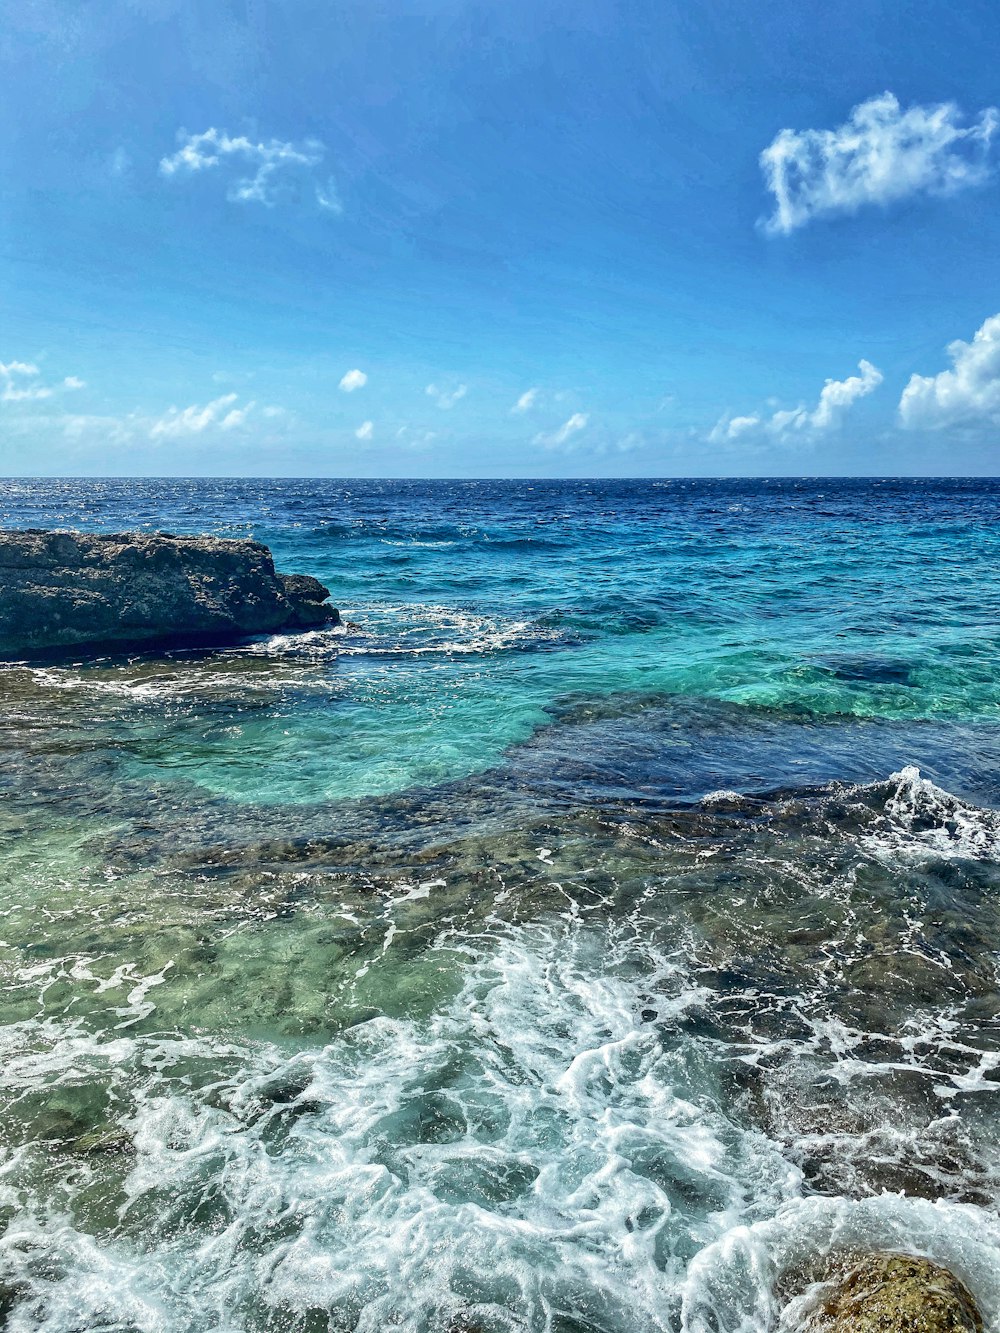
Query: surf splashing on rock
column 923, row 821
column 554, row 1148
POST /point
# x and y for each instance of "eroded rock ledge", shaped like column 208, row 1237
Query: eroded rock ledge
column 67, row 590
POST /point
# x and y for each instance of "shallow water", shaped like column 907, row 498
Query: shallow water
column 593, row 934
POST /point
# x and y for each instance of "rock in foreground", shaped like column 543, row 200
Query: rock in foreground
column 72, row 589
column 897, row 1293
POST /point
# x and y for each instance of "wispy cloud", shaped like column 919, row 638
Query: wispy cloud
column 20, row 382
column 880, row 155
column 224, row 416
column 968, row 394
column 354, row 379
column 276, row 167
column 446, row 398
column 566, row 431
column 835, row 399
column 221, row 414
column 328, row 197
column 102, row 430
column 415, row 438
column 120, row 163
column 365, row 431
column 526, row 401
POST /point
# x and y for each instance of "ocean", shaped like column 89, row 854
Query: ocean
column 593, row 933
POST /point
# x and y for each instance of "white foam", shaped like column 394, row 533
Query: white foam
column 520, row 1149
column 551, row 1141
column 442, row 630
column 922, row 820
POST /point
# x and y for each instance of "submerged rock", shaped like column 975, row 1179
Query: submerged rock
column 73, row 589
column 896, row 1293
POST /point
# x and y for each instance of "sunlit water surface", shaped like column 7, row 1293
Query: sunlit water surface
column 593, row 934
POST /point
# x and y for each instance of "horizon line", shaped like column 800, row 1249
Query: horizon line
column 281, row 476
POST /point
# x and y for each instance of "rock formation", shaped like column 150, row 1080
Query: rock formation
column 66, row 590
column 896, row 1293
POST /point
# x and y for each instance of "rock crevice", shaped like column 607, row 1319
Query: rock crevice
column 63, row 590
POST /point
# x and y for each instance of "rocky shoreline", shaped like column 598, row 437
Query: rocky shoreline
column 66, row 590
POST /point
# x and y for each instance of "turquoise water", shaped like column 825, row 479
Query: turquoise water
column 595, row 932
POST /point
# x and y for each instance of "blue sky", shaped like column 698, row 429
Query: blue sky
column 466, row 238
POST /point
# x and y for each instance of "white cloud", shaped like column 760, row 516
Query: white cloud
column 236, row 417
column 881, row 154
column 737, row 426
column 102, row 430
column 273, row 164
column 569, row 428
column 328, row 198
column 220, row 413
column 354, row 379
column 526, row 401
column 20, row 383
column 837, row 396
column 365, row 431
column 446, row 398
column 835, row 399
column 964, row 395
column 415, row 439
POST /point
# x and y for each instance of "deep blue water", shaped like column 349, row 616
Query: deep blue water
column 860, row 618
column 598, row 933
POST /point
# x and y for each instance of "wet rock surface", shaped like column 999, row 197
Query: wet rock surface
column 897, row 1293
column 67, row 590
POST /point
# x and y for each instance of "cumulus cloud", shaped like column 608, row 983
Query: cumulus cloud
column 880, row 155
column 835, row 399
column 559, row 437
column 967, row 394
column 354, row 379
column 526, row 401
column 446, row 398
column 737, row 426
column 221, row 414
column 273, row 166
column 365, row 431
column 20, row 382
column 837, row 396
